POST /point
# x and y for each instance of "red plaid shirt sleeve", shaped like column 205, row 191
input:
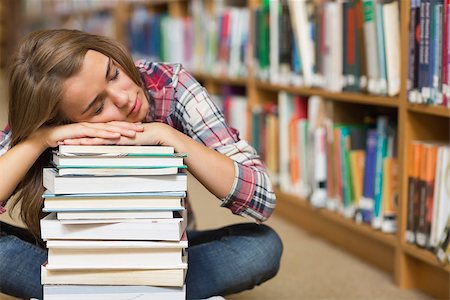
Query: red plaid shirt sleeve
column 184, row 104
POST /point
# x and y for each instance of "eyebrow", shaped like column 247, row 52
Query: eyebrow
column 91, row 104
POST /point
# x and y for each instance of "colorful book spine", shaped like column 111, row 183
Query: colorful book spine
column 381, row 153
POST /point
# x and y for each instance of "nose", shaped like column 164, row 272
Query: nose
column 118, row 97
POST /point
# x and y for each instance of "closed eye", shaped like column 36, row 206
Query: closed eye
column 116, row 75
column 100, row 108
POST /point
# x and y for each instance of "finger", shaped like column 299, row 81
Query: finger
column 121, row 129
column 132, row 126
column 89, row 141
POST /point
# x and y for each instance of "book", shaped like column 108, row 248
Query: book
column 367, row 200
column 115, row 160
column 112, row 184
column 156, row 277
column 125, row 229
column 381, row 154
column 443, row 247
column 391, row 28
column 413, row 51
column 426, row 181
column 116, row 201
column 119, row 292
column 98, row 254
column 63, row 171
column 113, row 214
column 371, row 45
column 441, row 205
column 415, row 152
column 300, row 25
column 389, row 195
column 101, row 149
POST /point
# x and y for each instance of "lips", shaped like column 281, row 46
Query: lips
column 136, row 107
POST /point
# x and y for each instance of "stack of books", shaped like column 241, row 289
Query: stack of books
column 116, row 223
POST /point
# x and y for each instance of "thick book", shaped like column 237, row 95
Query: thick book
column 102, row 149
column 97, row 254
column 107, row 160
column 112, row 184
column 126, row 229
column 155, row 277
column 119, row 292
column 114, row 201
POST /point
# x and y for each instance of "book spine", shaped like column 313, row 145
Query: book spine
column 410, row 84
column 413, row 182
column 445, row 51
column 437, row 61
column 424, row 52
column 442, row 249
column 370, row 39
column 391, row 27
column 381, row 153
column 274, row 28
column 379, row 22
column 366, row 202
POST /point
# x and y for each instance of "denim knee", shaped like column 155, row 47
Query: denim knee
column 272, row 246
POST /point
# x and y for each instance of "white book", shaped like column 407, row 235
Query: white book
column 114, row 201
column 107, row 215
column 156, row 277
column 441, row 203
column 274, row 43
column 99, row 149
column 118, row 160
column 301, row 28
column 391, row 27
column 120, row 292
column 126, row 229
column 96, row 254
column 112, row 184
column 332, row 58
column 63, row 171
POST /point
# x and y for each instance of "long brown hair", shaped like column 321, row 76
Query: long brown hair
column 43, row 61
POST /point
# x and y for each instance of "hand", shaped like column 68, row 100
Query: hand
column 154, row 133
column 85, row 133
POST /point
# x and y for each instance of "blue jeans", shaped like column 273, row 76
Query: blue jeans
column 221, row 262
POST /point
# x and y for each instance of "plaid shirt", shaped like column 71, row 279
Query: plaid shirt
column 178, row 100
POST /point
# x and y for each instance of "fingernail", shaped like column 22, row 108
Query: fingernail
column 140, row 127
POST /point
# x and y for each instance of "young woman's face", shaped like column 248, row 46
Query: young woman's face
column 102, row 92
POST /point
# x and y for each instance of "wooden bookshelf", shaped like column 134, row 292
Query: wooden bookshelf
column 410, row 266
column 341, row 96
column 430, row 110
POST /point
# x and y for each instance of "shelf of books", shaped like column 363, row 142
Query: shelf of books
column 337, row 97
